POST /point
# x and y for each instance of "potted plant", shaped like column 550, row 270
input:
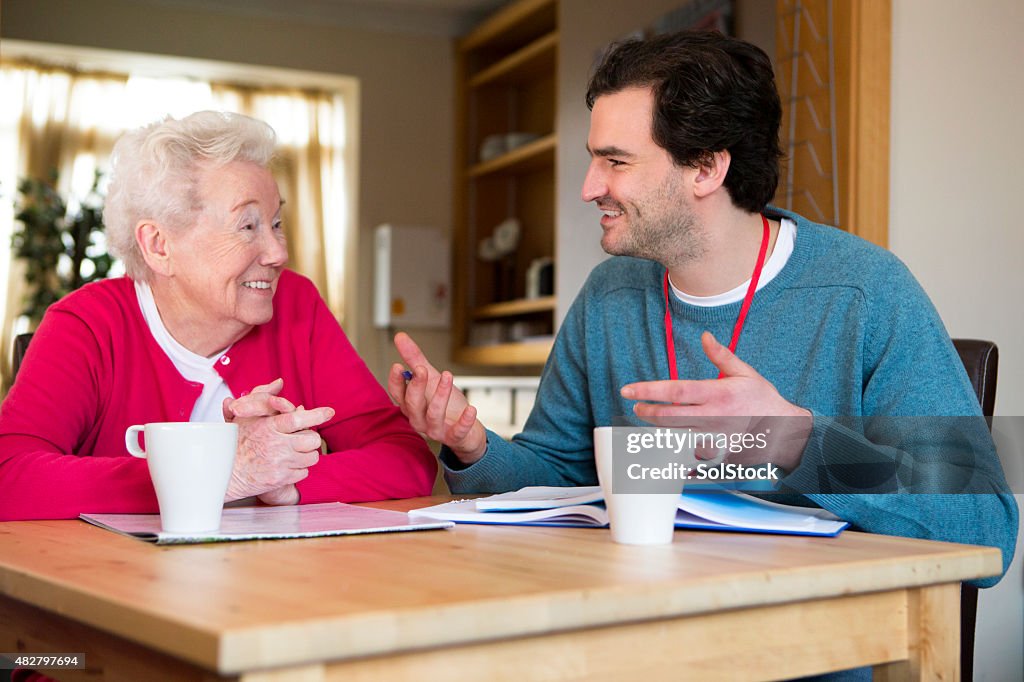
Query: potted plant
column 60, row 247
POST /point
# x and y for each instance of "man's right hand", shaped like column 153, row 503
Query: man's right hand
column 433, row 405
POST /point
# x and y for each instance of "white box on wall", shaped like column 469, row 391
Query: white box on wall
column 411, row 277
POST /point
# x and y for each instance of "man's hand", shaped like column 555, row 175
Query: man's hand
column 276, row 444
column 741, row 393
column 433, row 405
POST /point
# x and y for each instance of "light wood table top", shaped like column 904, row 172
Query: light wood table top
column 234, row 608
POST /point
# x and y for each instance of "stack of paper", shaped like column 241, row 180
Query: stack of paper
column 705, row 509
column 267, row 523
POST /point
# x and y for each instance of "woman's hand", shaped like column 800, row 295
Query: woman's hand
column 276, row 444
column 433, row 405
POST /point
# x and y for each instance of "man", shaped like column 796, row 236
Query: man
column 684, row 160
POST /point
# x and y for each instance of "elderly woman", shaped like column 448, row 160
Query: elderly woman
column 208, row 325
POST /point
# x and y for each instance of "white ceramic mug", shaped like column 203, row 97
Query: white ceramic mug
column 190, row 464
column 638, row 518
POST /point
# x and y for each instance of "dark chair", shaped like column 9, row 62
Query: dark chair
column 981, row 360
column 20, row 346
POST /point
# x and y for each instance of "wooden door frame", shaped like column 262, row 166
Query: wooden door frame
column 861, row 45
column 863, row 32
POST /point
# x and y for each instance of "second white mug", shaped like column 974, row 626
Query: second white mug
column 190, row 464
column 635, row 518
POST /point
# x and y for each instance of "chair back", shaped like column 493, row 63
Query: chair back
column 20, row 347
column 981, row 360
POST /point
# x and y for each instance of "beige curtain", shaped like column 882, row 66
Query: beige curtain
column 58, row 118
column 310, row 171
column 45, row 125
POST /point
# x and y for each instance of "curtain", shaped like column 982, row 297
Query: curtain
column 54, row 118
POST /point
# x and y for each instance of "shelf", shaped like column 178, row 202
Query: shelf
column 531, row 156
column 506, row 83
column 511, row 24
column 522, row 65
column 505, row 354
column 522, row 306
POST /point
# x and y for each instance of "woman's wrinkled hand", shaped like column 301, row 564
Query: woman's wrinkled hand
column 276, row 444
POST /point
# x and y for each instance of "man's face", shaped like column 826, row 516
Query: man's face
column 635, row 183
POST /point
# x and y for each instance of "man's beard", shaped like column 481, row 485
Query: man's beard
column 669, row 234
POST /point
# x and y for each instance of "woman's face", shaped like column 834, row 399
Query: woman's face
column 227, row 264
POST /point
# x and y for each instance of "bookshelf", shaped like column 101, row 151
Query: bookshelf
column 504, row 305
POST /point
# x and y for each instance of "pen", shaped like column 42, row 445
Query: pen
column 407, row 375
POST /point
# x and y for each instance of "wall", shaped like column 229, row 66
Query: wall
column 956, row 134
column 955, row 220
column 406, row 108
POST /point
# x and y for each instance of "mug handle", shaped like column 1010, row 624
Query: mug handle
column 131, row 441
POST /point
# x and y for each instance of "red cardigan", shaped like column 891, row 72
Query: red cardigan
column 93, row 369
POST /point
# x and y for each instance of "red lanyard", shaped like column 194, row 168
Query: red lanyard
column 670, row 344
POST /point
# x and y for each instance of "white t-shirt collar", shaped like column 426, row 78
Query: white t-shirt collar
column 773, row 266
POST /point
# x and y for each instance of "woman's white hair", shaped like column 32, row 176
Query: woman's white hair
column 155, row 173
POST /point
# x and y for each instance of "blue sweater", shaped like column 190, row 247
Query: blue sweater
column 843, row 330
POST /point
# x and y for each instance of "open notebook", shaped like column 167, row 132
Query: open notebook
column 701, row 509
column 272, row 523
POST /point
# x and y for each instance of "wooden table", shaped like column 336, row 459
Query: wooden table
column 484, row 603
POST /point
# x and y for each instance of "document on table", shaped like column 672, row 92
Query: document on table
column 272, row 523
column 704, row 509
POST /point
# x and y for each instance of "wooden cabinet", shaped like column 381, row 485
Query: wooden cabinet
column 504, row 297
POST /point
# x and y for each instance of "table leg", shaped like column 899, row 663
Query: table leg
column 933, row 629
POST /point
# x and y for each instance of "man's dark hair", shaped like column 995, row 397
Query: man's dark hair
column 711, row 93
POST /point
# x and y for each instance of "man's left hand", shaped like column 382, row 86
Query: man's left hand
column 740, row 392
